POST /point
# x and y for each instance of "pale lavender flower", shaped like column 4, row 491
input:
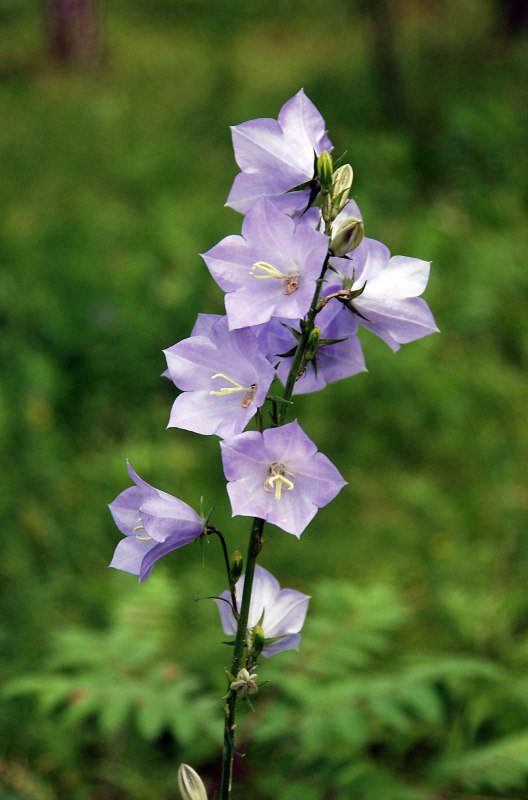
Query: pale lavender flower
column 333, row 361
column 269, row 271
column 279, row 476
column 388, row 301
column 223, row 375
column 154, row 523
column 282, row 611
column 278, row 155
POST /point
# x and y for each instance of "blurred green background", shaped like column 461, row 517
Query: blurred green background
column 412, row 678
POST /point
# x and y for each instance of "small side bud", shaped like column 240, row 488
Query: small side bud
column 341, row 185
column 190, row 784
column 348, row 237
column 324, row 171
column 236, row 565
column 313, row 344
column 257, row 635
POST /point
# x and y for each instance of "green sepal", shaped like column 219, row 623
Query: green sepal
column 289, row 354
column 274, row 639
column 354, row 310
column 340, row 160
column 357, row 292
column 230, row 677
column 300, row 187
column 294, row 331
column 324, row 342
column 276, row 399
column 250, row 704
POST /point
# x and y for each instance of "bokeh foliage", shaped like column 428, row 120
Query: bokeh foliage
column 411, row 677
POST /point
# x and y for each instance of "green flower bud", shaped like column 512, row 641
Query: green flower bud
column 348, row 237
column 190, row 784
column 313, row 344
column 236, row 565
column 257, row 634
column 341, row 184
column 324, row 171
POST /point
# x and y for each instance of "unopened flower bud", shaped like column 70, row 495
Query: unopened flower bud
column 245, row 683
column 236, row 565
column 348, row 237
column 341, row 184
column 313, row 343
column 258, row 640
column 190, row 784
column 324, row 171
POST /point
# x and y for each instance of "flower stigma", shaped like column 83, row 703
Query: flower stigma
column 290, row 283
column 277, row 480
column 249, row 391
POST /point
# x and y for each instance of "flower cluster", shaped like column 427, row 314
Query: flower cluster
column 299, row 281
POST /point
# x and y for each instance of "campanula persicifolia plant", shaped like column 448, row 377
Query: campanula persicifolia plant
column 300, row 280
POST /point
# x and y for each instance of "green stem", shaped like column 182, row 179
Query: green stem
column 255, row 545
column 301, row 347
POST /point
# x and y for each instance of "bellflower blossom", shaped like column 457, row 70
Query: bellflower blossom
column 282, row 611
column 154, row 523
column 269, row 271
column 278, row 155
column 387, row 302
column 332, row 362
column 224, row 378
column 278, row 475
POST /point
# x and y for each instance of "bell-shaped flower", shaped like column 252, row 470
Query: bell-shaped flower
column 270, row 270
column 276, row 156
column 154, row 523
column 278, row 475
column 383, row 293
column 339, row 354
column 279, row 612
column 223, row 376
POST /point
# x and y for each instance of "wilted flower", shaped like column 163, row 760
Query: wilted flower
column 278, row 155
column 224, row 378
column 154, row 523
column 280, row 612
column 269, row 271
column 245, row 683
column 279, row 476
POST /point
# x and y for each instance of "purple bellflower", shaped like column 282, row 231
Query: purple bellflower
column 275, row 156
column 269, row 271
column 387, row 300
column 332, row 361
column 154, row 523
column 223, row 375
column 278, row 475
column 280, row 612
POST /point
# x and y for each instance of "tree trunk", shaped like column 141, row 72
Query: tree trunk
column 74, row 30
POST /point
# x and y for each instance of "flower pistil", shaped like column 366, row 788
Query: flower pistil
column 249, row 391
column 290, row 283
column 277, row 480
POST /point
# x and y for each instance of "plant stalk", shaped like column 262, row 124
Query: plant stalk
column 255, row 545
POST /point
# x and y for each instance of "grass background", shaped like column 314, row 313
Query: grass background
column 113, row 180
